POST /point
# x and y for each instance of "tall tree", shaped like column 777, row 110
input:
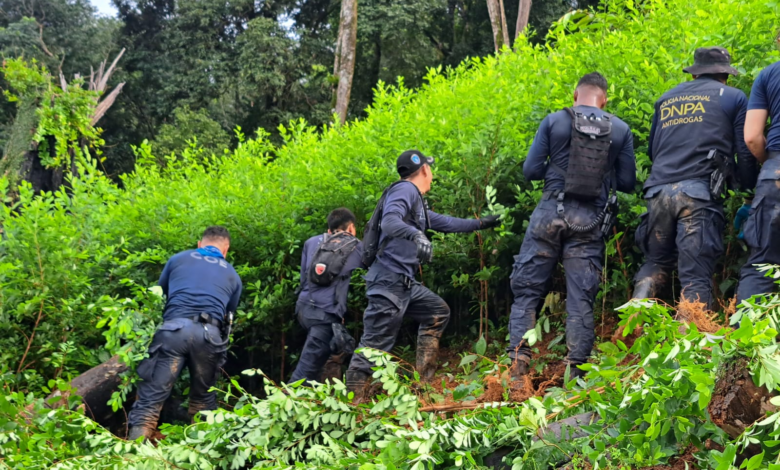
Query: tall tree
column 344, row 67
column 523, row 12
column 498, row 23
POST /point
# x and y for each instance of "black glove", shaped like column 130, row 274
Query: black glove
column 489, row 222
column 342, row 341
column 424, row 248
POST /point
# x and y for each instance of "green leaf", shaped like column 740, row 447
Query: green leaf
column 481, row 346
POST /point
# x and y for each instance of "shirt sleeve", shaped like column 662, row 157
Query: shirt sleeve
column 747, row 165
column 397, row 205
column 758, row 94
column 304, row 261
column 166, row 273
column 233, row 304
column 446, row 224
column 625, row 165
column 653, row 126
column 535, row 165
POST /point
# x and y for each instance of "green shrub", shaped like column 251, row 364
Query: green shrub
column 66, row 256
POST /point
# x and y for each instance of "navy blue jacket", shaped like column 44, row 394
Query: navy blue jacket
column 766, row 95
column 690, row 120
column 194, row 283
column 402, row 217
column 333, row 298
column 553, row 140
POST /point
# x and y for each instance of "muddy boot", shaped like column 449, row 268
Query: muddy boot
column 644, row 289
column 357, row 381
column 332, row 369
column 139, row 431
column 427, row 354
column 520, row 368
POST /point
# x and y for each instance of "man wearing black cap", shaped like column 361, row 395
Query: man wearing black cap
column 567, row 224
column 390, row 286
column 762, row 228
column 696, row 130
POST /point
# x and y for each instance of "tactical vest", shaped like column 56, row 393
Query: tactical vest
column 689, row 124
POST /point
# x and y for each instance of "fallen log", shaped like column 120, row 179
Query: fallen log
column 95, row 387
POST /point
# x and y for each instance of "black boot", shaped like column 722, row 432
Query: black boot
column 644, row 289
column 357, row 381
column 139, row 431
column 427, row 354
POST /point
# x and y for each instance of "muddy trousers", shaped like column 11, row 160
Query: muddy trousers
column 316, row 350
column 178, row 343
column 683, row 228
column 762, row 236
column 547, row 240
column 391, row 296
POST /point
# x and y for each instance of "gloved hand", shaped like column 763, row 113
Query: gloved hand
column 739, row 220
column 489, row 222
column 424, row 248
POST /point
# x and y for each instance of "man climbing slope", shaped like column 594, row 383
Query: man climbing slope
column 583, row 154
column 327, row 263
column 403, row 215
column 697, row 128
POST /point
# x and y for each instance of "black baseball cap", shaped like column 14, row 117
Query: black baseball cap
column 711, row 60
column 411, row 161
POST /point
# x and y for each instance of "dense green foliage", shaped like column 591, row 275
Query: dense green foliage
column 75, row 267
column 651, row 401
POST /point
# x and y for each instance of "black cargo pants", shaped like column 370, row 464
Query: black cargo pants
column 390, row 297
column 547, row 240
column 762, row 235
column 683, row 228
column 178, row 343
column 316, row 350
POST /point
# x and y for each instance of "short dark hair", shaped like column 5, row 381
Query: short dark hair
column 339, row 219
column 594, row 79
column 216, row 231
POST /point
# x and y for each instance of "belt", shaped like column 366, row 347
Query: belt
column 207, row 319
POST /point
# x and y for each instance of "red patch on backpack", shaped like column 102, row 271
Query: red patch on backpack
column 320, row 268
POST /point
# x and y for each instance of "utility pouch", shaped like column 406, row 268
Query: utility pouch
column 610, row 215
column 722, row 176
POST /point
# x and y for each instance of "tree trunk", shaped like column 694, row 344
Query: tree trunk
column 523, row 11
column 494, row 10
column 344, row 66
column 504, row 27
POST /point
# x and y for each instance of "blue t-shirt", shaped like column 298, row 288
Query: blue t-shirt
column 402, row 217
column 194, row 283
column 765, row 94
column 333, row 298
column 553, row 140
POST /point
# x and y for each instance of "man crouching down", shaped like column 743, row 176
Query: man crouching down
column 201, row 289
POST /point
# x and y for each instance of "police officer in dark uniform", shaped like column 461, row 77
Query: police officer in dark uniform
column 762, row 229
column 697, row 128
column 554, row 230
column 320, row 307
column 202, row 291
column 390, row 285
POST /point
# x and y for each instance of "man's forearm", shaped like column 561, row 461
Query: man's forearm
column 757, row 147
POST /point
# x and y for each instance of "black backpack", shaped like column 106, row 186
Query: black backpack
column 589, row 162
column 373, row 229
column 330, row 257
